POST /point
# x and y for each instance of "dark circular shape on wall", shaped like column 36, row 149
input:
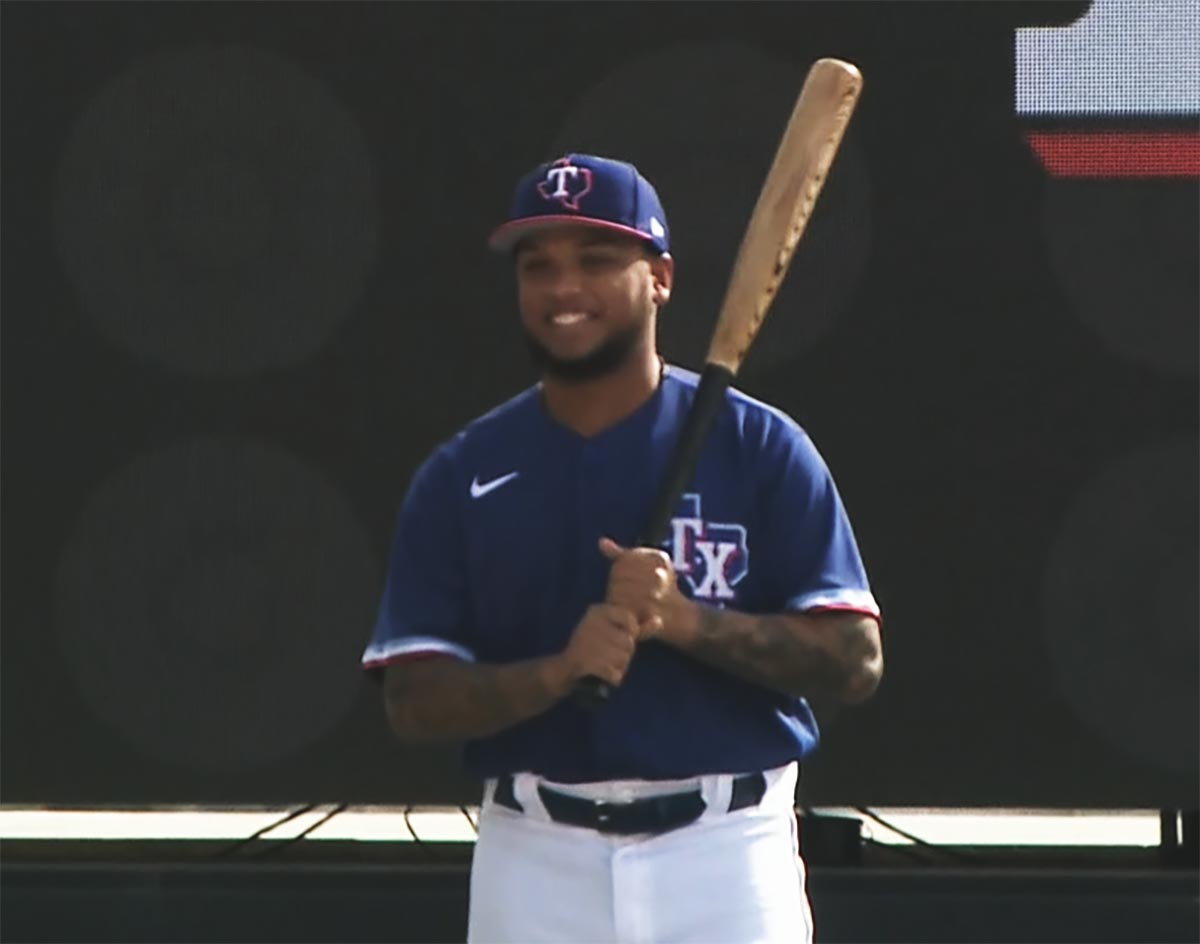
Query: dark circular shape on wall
column 216, row 211
column 1121, row 614
column 1124, row 252
column 213, row 601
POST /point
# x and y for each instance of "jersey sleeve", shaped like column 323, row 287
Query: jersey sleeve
column 814, row 560
column 424, row 608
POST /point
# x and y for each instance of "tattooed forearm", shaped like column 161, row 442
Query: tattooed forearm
column 448, row 699
column 830, row 657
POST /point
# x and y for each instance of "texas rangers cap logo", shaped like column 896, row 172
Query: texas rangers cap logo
column 566, row 183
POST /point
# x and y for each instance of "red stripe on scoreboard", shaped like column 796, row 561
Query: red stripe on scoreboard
column 1117, row 153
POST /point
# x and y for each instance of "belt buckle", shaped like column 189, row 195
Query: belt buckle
column 623, row 793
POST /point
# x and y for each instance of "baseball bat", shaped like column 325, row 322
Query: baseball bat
column 789, row 193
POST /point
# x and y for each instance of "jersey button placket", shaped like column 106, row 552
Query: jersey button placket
column 587, row 489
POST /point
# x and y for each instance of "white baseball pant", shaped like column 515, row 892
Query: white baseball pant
column 727, row 878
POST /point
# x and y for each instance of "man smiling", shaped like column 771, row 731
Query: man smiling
column 665, row 813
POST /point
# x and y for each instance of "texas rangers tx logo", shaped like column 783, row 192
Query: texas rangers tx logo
column 711, row 557
column 566, row 183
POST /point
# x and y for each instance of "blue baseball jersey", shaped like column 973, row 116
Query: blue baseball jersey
column 495, row 559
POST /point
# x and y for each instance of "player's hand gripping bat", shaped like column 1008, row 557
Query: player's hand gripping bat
column 784, row 206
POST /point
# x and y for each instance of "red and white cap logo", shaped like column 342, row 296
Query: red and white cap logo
column 566, row 183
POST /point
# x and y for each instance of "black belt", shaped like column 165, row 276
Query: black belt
column 650, row 815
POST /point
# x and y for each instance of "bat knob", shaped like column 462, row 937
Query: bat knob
column 591, row 692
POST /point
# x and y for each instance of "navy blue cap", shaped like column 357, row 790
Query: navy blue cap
column 585, row 190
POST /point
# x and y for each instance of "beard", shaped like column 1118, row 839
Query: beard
column 606, row 359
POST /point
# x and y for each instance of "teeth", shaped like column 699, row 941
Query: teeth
column 568, row 318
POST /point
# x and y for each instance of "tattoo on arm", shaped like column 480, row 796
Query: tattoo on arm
column 444, row 698
column 799, row 655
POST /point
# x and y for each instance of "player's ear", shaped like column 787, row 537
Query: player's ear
column 662, row 270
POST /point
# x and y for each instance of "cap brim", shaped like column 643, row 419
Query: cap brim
column 505, row 236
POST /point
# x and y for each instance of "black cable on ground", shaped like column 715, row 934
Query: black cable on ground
column 230, row 850
column 421, row 844
column 276, row 849
column 906, row 851
column 917, row 840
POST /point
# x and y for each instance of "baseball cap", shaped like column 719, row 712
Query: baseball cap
column 583, row 189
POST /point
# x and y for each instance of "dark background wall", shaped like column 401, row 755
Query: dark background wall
column 245, row 292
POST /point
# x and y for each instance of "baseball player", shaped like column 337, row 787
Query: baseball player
column 666, row 812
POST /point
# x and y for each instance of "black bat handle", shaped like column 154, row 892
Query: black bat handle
column 710, row 393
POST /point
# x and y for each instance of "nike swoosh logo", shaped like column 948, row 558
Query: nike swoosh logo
column 478, row 490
